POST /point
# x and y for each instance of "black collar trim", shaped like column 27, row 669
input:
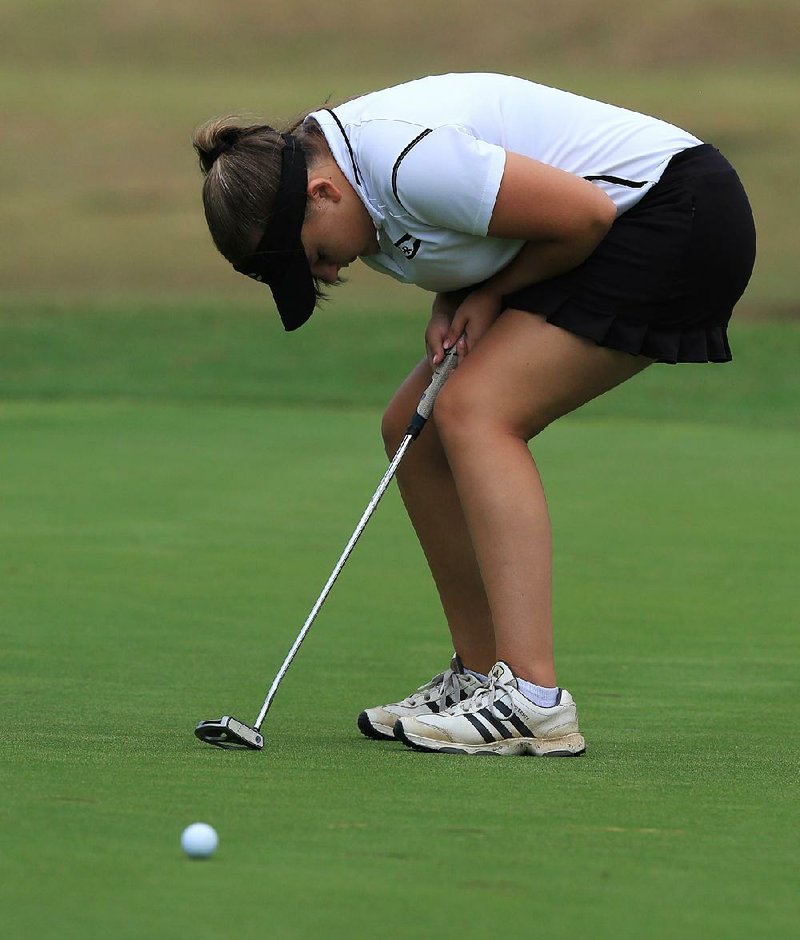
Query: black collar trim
column 356, row 171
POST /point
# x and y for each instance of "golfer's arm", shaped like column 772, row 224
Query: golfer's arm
column 535, row 262
column 560, row 217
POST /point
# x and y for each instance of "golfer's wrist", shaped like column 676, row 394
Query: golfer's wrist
column 443, row 310
column 490, row 292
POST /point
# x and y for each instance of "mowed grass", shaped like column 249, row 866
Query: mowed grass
column 177, row 479
column 163, row 543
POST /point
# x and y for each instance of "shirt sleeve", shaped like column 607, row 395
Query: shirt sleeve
column 448, row 178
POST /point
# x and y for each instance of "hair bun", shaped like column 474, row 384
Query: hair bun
column 220, row 136
column 223, row 146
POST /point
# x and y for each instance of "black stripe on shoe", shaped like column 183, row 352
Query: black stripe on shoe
column 520, row 725
column 486, row 714
column 487, row 735
column 510, row 717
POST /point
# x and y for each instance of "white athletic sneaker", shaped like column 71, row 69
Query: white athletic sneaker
column 498, row 719
column 449, row 687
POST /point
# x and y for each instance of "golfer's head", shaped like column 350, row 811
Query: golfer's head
column 256, row 201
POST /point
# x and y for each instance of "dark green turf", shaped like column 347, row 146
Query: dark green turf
column 160, row 555
column 205, row 349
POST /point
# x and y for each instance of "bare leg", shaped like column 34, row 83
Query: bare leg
column 429, row 494
column 524, row 374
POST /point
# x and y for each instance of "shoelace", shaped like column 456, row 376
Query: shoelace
column 484, row 697
column 438, row 689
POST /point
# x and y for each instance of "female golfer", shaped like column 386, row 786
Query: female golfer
column 569, row 244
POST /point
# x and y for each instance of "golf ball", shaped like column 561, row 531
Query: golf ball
column 199, row 840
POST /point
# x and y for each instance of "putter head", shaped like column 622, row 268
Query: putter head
column 229, row 733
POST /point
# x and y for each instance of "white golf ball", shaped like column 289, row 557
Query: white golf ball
column 199, row 840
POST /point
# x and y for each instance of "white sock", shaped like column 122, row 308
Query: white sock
column 476, row 675
column 539, row 695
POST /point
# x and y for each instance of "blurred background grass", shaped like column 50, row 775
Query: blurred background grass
column 99, row 195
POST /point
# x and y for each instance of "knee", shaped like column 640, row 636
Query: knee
column 459, row 413
column 466, row 416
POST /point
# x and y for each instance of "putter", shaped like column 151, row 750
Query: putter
column 231, row 733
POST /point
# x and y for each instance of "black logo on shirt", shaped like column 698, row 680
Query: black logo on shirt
column 408, row 245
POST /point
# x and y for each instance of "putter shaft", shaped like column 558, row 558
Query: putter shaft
column 423, row 412
column 373, row 503
column 230, row 732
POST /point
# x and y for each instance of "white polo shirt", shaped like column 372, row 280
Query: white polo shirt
column 427, row 158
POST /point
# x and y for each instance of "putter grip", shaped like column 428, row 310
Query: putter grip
column 425, row 406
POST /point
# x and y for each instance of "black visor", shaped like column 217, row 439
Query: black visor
column 280, row 259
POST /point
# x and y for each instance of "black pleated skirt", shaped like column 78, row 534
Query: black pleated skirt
column 664, row 281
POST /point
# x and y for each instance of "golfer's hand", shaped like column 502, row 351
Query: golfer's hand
column 471, row 320
column 435, row 335
column 444, row 309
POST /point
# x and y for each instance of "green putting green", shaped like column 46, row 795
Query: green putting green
column 178, row 477
column 159, row 557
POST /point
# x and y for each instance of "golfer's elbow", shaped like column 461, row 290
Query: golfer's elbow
column 601, row 218
column 594, row 225
column 577, row 241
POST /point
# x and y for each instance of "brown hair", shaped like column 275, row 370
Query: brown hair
column 242, row 167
